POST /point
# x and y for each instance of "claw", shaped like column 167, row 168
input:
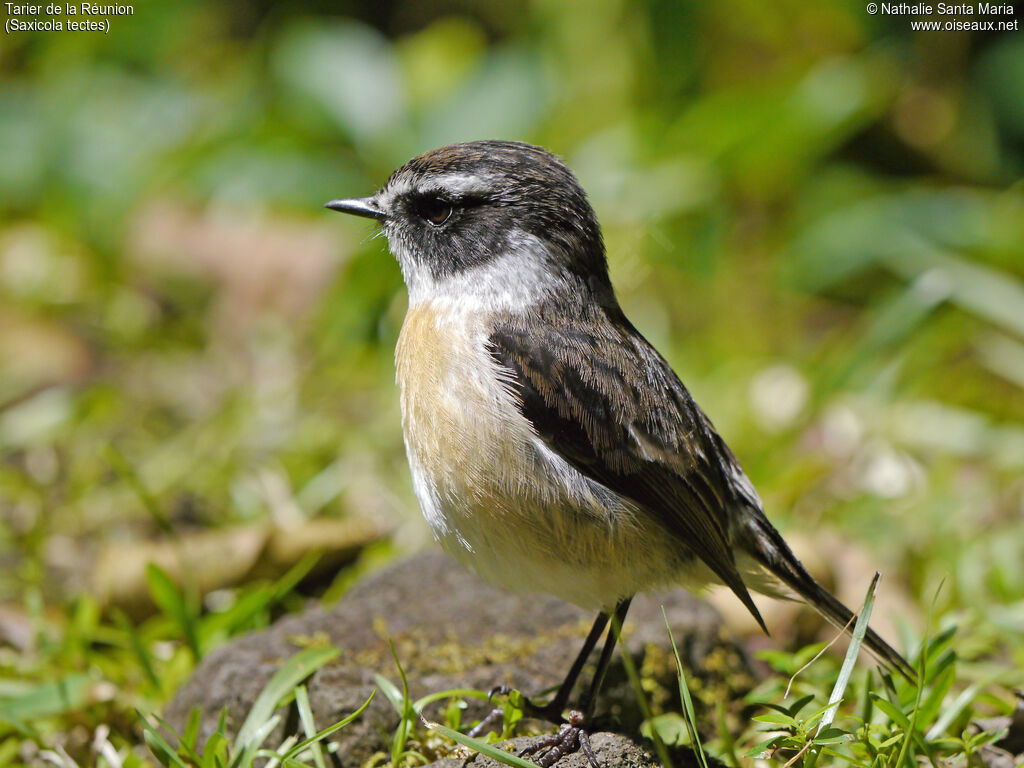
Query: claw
column 552, row 742
column 499, row 690
column 587, row 749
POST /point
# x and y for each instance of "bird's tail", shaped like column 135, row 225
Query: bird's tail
column 767, row 546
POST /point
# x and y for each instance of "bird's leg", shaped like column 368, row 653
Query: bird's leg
column 574, row 734
column 552, row 711
column 588, row 702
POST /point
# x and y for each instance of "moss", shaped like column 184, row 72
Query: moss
column 421, row 656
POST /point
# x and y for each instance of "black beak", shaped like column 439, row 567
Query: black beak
column 358, row 206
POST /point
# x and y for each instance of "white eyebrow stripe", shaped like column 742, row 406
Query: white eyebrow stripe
column 453, row 183
column 460, row 183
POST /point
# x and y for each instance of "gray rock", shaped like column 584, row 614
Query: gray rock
column 610, row 749
column 451, row 630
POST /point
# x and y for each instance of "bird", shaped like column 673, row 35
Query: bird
column 552, row 449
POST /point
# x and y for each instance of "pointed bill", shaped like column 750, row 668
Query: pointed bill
column 358, row 206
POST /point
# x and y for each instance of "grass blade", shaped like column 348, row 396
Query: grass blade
column 161, row 750
column 244, row 758
column 309, row 724
column 47, row 699
column 292, row 672
column 860, row 628
column 960, row 703
column 120, row 464
column 684, row 694
column 485, row 749
column 138, row 647
column 405, row 711
column 172, row 602
column 641, row 699
column 922, row 676
column 454, row 693
column 321, row 735
column 390, row 691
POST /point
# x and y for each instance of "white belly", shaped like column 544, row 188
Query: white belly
column 495, row 496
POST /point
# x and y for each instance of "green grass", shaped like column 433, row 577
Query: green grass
column 220, row 750
column 833, row 716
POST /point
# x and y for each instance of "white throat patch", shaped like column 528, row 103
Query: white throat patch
column 519, row 278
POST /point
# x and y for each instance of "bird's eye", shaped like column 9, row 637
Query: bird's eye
column 434, row 209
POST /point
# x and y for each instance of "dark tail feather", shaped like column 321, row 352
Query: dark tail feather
column 768, row 547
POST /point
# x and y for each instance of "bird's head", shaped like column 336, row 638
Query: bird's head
column 488, row 218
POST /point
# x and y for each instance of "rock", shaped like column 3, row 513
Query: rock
column 610, row 749
column 450, row 630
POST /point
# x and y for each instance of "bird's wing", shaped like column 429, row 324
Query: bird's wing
column 602, row 398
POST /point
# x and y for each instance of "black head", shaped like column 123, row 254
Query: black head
column 464, row 206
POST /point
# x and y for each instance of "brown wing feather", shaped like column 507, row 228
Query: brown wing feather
column 603, row 398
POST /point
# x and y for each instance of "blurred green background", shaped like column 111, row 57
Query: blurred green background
column 814, row 213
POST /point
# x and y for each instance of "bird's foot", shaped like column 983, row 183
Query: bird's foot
column 571, row 737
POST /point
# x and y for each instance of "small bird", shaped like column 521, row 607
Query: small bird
column 552, row 449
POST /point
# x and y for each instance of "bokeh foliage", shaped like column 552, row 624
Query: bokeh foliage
column 814, row 213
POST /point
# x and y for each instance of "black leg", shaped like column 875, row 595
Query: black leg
column 552, row 711
column 557, row 704
column 573, row 734
column 587, row 704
